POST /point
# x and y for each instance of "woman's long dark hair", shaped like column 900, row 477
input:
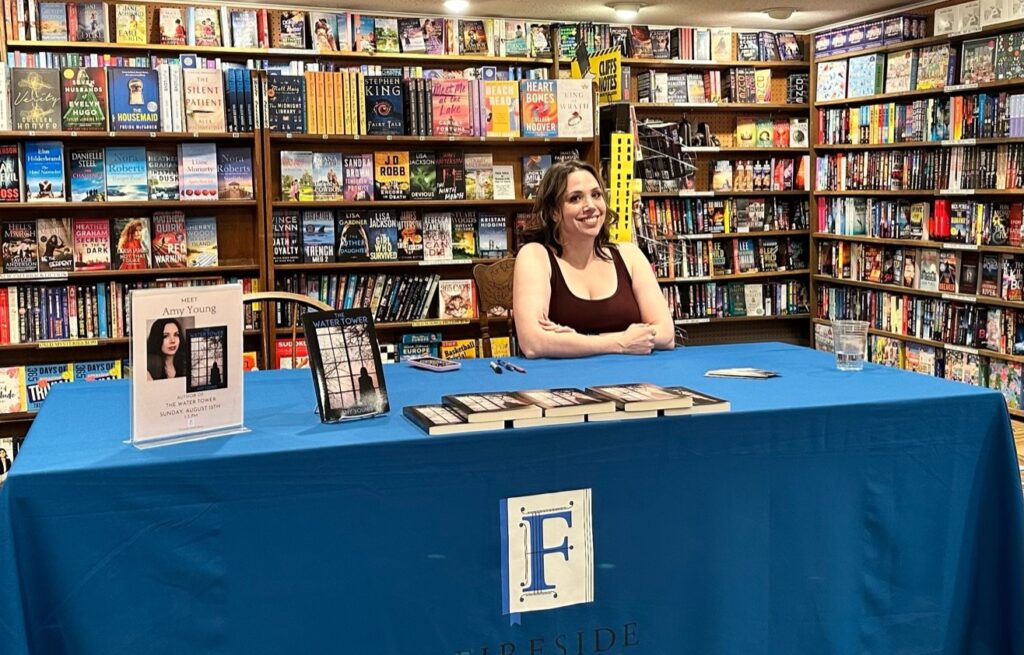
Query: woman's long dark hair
column 541, row 227
column 155, row 355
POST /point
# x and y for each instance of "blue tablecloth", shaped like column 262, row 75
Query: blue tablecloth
column 828, row 512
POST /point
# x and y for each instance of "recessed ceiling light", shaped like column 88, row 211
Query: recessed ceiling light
column 779, row 13
column 626, row 10
column 456, row 6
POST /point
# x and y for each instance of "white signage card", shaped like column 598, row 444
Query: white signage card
column 549, row 551
column 504, row 182
column 186, row 349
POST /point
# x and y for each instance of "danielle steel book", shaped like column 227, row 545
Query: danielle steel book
column 344, row 358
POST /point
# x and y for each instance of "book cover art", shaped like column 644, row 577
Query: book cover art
column 385, row 32
column 450, row 105
column 353, row 240
column 126, row 174
column 433, row 35
column 87, row 172
column 132, row 243
column 863, row 76
column 534, row 168
column 456, row 299
column 244, row 28
column 206, row 27
column 383, row 235
column 464, row 235
column 12, row 389
column 44, row 171
column 162, row 174
column 286, row 237
column 491, row 406
column 391, row 175
column 410, row 236
column 234, row 174
column 968, row 278
column 501, row 108
column 539, row 107
column 452, row 349
column 901, row 71
column 92, row 22
column 358, row 180
column 385, row 105
column 40, row 378
column 493, row 235
column 20, row 250
column 472, row 37
column 204, row 100
column 1009, row 62
column 422, row 175
column 437, row 236
column 170, row 249
column 297, row 183
column 978, row 61
column 344, row 358
column 479, row 175
column 317, row 236
column 575, row 108
column 439, row 420
column 97, row 371
column 92, row 244
column 134, row 95
column 53, row 21
column 84, row 99
column 286, row 102
column 201, row 240
column 172, row 26
column 540, row 40
column 990, row 275
column 515, row 41
column 293, row 29
column 56, row 244
column 364, row 39
column 35, row 99
column 323, row 29
column 831, row 80
column 197, row 171
column 948, row 265
column 411, row 36
column 932, row 67
column 328, row 169
column 451, row 176
column 130, row 23
column 10, row 173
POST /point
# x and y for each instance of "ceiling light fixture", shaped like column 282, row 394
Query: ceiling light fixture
column 456, row 6
column 779, row 13
column 626, row 11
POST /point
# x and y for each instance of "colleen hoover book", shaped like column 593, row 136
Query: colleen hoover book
column 438, row 420
column 345, row 361
column 641, row 396
column 566, row 402
column 491, row 406
column 702, row 403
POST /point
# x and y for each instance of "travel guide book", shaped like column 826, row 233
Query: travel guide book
column 640, row 396
column 344, row 358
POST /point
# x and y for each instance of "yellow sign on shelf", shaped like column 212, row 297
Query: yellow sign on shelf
column 620, row 186
column 606, row 67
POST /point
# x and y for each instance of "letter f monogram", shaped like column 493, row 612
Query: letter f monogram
column 537, row 550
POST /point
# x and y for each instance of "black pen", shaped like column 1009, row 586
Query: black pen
column 512, row 367
column 496, row 368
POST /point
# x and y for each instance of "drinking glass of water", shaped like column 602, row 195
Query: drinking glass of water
column 851, row 343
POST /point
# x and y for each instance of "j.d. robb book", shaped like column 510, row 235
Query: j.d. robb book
column 134, row 99
column 85, row 99
column 189, row 383
column 391, row 175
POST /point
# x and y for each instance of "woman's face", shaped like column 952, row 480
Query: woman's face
column 171, row 340
column 582, row 210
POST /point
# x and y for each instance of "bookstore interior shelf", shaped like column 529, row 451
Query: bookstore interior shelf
column 418, row 324
column 936, row 344
column 735, row 150
column 84, row 342
column 413, row 58
column 721, row 194
column 929, row 193
column 333, row 204
column 722, row 106
column 466, row 140
column 918, row 243
column 708, row 236
column 881, row 97
column 133, row 205
column 105, row 47
column 226, row 269
column 903, row 145
column 740, row 319
column 330, row 266
column 734, row 276
column 97, row 135
column 897, row 289
column 684, row 64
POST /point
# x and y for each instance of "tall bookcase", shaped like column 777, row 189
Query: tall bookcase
column 906, row 316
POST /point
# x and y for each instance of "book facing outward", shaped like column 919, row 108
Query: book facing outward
column 491, row 406
column 566, row 402
column 438, row 420
column 641, row 397
column 741, row 372
column 702, row 403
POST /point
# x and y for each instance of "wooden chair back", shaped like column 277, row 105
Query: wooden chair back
column 295, row 300
column 494, row 291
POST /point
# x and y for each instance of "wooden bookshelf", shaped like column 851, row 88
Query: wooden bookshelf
column 692, row 64
column 917, row 243
column 733, row 277
column 741, row 319
column 724, row 194
column 754, row 107
column 91, row 135
column 367, row 204
column 416, row 141
column 945, row 295
column 904, row 145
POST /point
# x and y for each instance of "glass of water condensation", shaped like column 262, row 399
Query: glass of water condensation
column 851, row 343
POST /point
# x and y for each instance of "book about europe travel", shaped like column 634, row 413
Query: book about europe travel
column 186, row 353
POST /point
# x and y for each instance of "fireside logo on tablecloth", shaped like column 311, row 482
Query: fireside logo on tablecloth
column 547, row 551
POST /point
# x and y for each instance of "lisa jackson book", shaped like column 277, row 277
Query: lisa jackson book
column 186, row 349
column 345, row 362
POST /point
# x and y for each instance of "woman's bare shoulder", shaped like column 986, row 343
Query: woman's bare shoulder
column 532, row 253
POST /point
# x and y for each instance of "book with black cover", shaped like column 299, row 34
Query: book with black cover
column 439, row 420
column 345, row 362
column 567, row 401
column 641, row 396
column 491, row 406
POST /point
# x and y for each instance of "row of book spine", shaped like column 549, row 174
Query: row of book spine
column 666, row 218
column 995, row 168
column 734, row 299
column 700, row 259
column 42, row 312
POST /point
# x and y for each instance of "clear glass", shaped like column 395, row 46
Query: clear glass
column 851, row 343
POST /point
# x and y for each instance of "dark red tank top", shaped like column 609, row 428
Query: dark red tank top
column 612, row 314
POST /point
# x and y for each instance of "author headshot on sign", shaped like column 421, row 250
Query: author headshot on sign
column 165, row 348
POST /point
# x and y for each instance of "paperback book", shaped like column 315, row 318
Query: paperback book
column 201, row 240
column 44, row 171
column 132, row 243
column 84, row 99
column 92, row 244
column 439, row 420
column 126, row 174
column 56, row 245
column 641, row 396
column 490, row 406
column 88, row 175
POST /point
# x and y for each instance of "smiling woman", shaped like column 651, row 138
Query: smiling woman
column 576, row 293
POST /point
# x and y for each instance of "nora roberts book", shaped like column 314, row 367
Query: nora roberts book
column 641, row 396
column 491, row 406
column 437, row 420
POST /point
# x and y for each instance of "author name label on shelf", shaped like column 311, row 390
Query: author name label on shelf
column 962, row 349
column 959, row 246
column 956, row 297
column 69, row 343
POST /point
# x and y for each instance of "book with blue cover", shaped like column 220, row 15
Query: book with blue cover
column 286, row 103
column 234, row 174
column 109, row 369
column 88, row 175
column 197, row 171
column 385, row 105
column 383, row 235
column 865, row 76
column 44, row 171
column 40, row 378
column 317, row 236
column 201, row 238
column 126, row 174
column 134, row 99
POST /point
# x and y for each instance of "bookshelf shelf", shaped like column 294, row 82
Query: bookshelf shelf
column 894, row 288
column 730, row 150
column 83, row 342
column 905, row 194
column 890, row 47
column 440, row 61
column 105, row 47
column 338, row 204
column 691, row 64
column 129, row 136
column 916, row 243
column 421, row 324
column 715, row 236
column 332, row 266
column 944, row 193
column 724, row 194
column 740, row 319
column 988, row 141
column 100, row 207
column 734, row 276
column 224, row 270
column 289, row 137
column 722, row 106
column 881, row 97
column 16, row 418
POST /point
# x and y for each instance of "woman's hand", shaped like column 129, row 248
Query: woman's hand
column 637, row 339
column 547, row 325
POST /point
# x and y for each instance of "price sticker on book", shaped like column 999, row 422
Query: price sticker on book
column 451, row 138
column 423, row 138
column 356, row 137
column 31, row 132
column 235, row 135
